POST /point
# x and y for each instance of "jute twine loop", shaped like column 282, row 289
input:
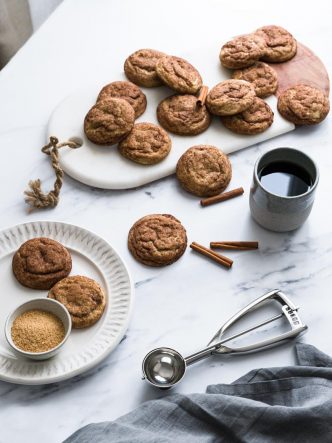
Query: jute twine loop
column 35, row 197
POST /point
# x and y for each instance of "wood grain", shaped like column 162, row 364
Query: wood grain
column 305, row 67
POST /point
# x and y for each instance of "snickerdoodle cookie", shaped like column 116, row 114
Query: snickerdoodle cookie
column 146, row 144
column 179, row 74
column 254, row 120
column 242, row 51
column 157, row 240
column 230, row 97
column 262, row 76
column 303, row 105
column 127, row 91
column 140, row 67
column 83, row 297
column 181, row 114
column 108, row 121
column 41, row 262
column 204, row 170
column 280, row 44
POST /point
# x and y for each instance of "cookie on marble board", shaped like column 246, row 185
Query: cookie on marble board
column 182, row 115
column 230, row 97
column 157, row 240
column 140, row 67
column 146, row 144
column 179, row 75
column 261, row 76
column 280, row 44
column 41, row 262
column 83, row 297
column 108, row 121
column 204, row 170
column 254, row 120
column 303, row 105
column 127, row 91
column 242, row 51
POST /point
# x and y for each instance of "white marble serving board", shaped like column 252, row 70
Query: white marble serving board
column 104, row 167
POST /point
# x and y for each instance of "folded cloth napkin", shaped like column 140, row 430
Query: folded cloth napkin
column 287, row 404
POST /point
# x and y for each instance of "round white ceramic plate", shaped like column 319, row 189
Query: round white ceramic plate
column 92, row 256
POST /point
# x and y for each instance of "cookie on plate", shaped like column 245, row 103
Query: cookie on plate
column 303, row 105
column 157, row 240
column 254, row 120
column 181, row 114
column 179, row 74
column 261, row 76
column 146, row 144
column 230, row 97
column 280, row 44
column 127, row 91
column 108, row 121
column 41, row 262
column 242, row 51
column 204, row 170
column 140, row 67
column 83, row 297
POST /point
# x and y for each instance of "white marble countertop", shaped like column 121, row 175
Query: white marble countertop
column 182, row 305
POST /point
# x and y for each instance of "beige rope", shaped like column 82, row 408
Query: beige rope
column 34, row 195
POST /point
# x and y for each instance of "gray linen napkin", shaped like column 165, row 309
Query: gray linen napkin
column 288, row 404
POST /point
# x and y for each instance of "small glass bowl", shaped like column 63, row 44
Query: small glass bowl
column 44, row 304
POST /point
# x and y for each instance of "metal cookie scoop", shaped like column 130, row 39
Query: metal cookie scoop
column 164, row 367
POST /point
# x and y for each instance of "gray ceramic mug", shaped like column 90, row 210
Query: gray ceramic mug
column 278, row 212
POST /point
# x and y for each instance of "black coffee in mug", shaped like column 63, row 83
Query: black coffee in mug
column 285, row 178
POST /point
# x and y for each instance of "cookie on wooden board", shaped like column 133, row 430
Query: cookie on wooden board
column 261, row 76
column 83, row 297
column 146, row 144
column 41, row 262
column 230, row 97
column 140, row 67
column 254, row 120
column 242, row 51
column 303, row 105
column 204, row 170
column 179, row 75
column 108, row 121
column 182, row 115
column 280, row 44
column 157, row 240
column 126, row 91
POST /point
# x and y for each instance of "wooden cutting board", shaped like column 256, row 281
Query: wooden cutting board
column 104, row 167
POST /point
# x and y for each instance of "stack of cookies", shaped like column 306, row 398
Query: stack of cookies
column 43, row 263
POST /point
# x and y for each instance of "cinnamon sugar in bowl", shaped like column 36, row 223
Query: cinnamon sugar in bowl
column 38, row 328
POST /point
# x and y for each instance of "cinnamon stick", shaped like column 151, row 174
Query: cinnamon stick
column 222, row 197
column 218, row 258
column 236, row 245
column 202, row 95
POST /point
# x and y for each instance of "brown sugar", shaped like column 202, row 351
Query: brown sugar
column 37, row 331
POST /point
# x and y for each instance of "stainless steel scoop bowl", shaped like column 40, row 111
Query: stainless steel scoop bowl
column 165, row 367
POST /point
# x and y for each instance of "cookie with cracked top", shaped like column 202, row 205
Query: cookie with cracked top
column 157, row 240
column 261, row 76
column 204, row 170
column 140, row 67
column 280, row 44
column 108, row 121
column 41, row 262
column 182, row 115
column 83, row 297
column 242, row 51
column 303, row 105
column 179, row 74
column 254, row 120
column 126, row 91
column 146, row 144
column 230, row 97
